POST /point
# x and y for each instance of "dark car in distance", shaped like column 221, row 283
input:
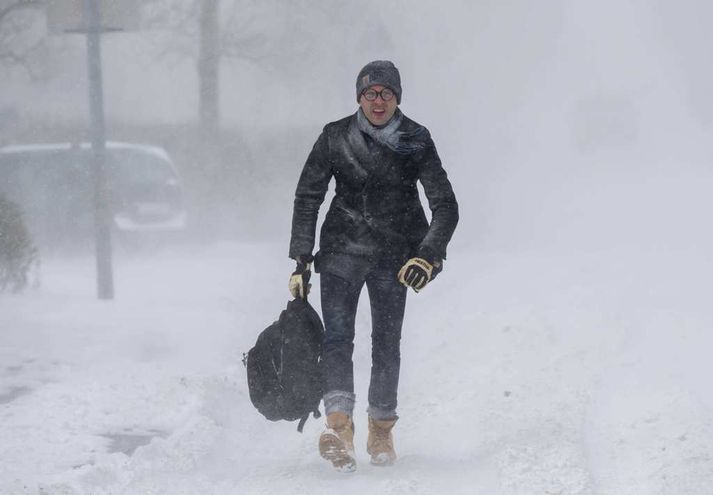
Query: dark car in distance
column 52, row 184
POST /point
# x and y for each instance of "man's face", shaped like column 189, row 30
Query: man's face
column 379, row 112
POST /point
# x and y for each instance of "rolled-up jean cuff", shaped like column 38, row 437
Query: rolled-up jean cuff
column 381, row 414
column 339, row 401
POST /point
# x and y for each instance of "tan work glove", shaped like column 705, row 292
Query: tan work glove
column 417, row 272
column 299, row 280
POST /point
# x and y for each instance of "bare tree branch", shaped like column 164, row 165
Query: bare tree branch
column 274, row 36
column 16, row 48
column 18, row 4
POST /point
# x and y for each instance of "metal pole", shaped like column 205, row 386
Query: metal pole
column 102, row 226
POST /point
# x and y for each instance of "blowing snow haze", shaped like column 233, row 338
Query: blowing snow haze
column 528, row 102
column 577, row 137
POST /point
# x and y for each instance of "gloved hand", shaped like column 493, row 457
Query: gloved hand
column 417, row 272
column 299, row 280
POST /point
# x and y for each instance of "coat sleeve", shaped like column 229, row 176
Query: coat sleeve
column 441, row 201
column 309, row 196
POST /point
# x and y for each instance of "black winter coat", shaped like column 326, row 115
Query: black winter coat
column 376, row 211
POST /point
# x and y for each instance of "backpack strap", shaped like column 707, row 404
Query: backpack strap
column 304, row 418
column 302, row 422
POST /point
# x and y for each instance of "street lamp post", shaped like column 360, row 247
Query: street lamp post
column 102, row 220
column 92, row 18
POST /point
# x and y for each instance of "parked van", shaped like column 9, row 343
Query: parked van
column 52, row 183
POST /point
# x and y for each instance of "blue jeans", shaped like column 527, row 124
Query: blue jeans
column 340, row 296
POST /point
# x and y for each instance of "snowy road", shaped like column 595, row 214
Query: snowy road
column 542, row 374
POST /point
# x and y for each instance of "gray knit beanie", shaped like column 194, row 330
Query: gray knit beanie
column 381, row 72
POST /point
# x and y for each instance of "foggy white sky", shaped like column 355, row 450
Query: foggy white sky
column 489, row 61
column 528, row 102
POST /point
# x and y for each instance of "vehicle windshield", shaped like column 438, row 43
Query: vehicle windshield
column 128, row 166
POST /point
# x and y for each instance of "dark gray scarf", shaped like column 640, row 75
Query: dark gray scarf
column 403, row 143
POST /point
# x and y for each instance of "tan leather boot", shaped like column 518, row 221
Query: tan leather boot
column 336, row 444
column 380, row 443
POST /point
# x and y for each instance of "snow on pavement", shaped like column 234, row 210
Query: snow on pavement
column 541, row 374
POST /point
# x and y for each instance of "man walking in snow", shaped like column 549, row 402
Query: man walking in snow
column 375, row 233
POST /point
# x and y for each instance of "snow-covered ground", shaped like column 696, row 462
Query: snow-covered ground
column 523, row 373
column 566, row 348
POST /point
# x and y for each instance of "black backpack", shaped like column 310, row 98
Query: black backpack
column 284, row 375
